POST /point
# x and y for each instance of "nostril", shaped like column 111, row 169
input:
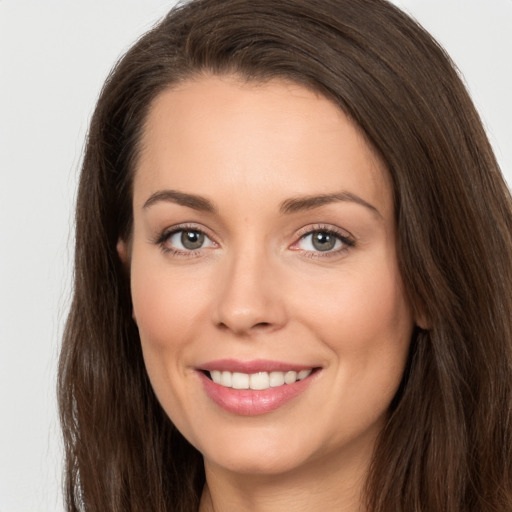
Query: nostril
column 246, row 329
column 262, row 324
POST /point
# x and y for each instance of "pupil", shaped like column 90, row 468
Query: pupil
column 323, row 241
column 192, row 239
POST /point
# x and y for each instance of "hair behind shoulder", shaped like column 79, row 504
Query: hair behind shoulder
column 448, row 441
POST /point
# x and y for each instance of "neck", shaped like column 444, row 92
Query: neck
column 324, row 485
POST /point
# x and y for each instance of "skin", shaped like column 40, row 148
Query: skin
column 259, row 289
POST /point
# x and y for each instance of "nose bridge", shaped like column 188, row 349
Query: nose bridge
column 248, row 297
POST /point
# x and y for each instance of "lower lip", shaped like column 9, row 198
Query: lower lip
column 248, row 402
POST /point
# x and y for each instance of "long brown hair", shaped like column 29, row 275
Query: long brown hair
column 447, row 445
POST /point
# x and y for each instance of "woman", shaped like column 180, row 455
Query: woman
column 293, row 272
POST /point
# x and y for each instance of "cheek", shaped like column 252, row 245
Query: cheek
column 360, row 307
column 166, row 306
column 367, row 328
column 365, row 321
column 378, row 314
column 167, row 313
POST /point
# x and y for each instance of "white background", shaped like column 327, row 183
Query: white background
column 54, row 56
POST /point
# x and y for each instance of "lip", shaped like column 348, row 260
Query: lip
column 254, row 366
column 248, row 402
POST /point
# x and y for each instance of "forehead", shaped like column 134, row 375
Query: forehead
column 219, row 135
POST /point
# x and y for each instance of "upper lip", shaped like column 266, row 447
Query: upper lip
column 254, row 366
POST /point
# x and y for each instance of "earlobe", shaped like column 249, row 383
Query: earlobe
column 424, row 326
column 421, row 321
column 122, row 251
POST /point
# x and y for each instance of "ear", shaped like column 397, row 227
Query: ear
column 421, row 320
column 123, row 252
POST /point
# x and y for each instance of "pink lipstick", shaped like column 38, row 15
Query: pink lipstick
column 254, row 387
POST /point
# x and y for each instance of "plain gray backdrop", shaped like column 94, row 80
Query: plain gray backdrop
column 54, row 57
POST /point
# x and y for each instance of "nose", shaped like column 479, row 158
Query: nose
column 249, row 298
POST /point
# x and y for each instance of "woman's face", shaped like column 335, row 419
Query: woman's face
column 263, row 257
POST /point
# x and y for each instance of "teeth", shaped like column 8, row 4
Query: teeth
column 216, row 376
column 226, row 379
column 276, row 379
column 257, row 381
column 290, row 377
column 303, row 374
column 240, row 381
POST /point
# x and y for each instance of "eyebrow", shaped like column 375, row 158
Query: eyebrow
column 288, row 206
column 299, row 204
column 189, row 200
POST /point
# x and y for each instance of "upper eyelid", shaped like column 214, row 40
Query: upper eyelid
column 164, row 234
column 306, row 230
column 347, row 239
column 162, row 240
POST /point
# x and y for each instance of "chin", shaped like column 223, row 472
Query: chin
column 260, row 464
column 255, row 453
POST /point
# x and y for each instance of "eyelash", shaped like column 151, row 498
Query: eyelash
column 168, row 233
column 347, row 241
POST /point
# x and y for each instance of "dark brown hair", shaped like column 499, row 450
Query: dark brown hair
column 447, row 443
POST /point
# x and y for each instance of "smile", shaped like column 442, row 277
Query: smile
column 259, row 380
column 256, row 387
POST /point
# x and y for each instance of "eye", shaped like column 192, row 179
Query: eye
column 187, row 239
column 323, row 241
column 320, row 241
column 184, row 240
